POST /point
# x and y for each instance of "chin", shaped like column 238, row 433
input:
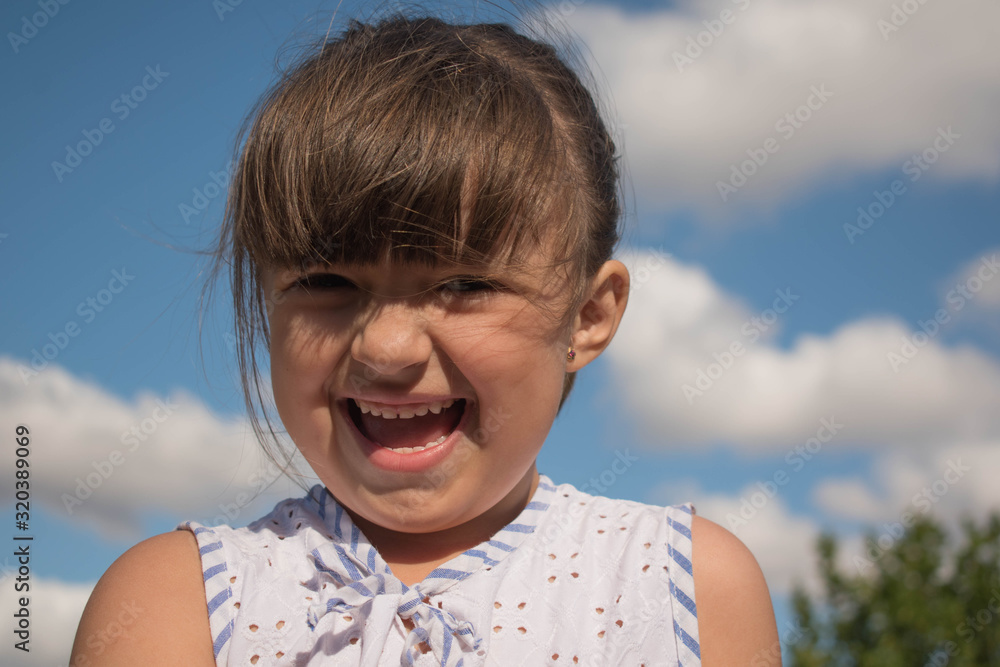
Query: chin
column 417, row 512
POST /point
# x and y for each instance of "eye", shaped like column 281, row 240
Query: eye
column 323, row 281
column 471, row 285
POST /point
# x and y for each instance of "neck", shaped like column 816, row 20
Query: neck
column 412, row 556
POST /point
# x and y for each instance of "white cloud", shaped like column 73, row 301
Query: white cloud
column 971, row 294
column 931, row 428
column 683, row 129
column 849, row 498
column 674, row 366
column 55, row 610
column 97, row 458
column 983, row 270
column 952, row 481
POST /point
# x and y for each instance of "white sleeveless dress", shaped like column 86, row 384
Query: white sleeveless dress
column 574, row 580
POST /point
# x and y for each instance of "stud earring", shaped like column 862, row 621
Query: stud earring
column 571, row 355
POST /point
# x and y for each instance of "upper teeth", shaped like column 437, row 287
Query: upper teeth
column 403, row 412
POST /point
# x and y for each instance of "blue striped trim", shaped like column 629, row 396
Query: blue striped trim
column 223, row 637
column 214, row 570
column 682, row 597
column 218, row 600
column 338, row 517
column 500, row 545
column 326, row 569
column 409, row 604
column 218, row 590
column 448, row 573
column 448, row 640
column 322, row 503
column 322, row 566
column 477, row 553
column 364, row 590
column 681, row 560
column 345, row 560
column 680, row 528
column 209, row 548
column 542, row 484
column 519, row 528
column 534, row 505
column 687, row 639
column 682, row 592
column 355, row 536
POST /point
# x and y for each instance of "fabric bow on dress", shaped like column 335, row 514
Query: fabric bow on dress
column 351, row 578
column 361, row 575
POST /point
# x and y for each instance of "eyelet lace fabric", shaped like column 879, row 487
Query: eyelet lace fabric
column 575, row 579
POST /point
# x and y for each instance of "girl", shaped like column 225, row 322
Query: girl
column 421, row 229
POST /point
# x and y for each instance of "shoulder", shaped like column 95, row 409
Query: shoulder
column 735, row 620
column 149, row 608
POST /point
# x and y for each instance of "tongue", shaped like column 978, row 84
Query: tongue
column 413, row 432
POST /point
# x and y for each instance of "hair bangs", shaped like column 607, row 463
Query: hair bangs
column 427, row 160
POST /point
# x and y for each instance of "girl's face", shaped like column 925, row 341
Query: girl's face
column 420, row 396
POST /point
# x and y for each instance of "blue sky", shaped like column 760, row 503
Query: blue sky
column 112, row 228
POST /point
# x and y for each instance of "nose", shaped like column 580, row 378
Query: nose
column 393, row 338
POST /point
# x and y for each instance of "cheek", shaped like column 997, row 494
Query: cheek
column 301, row 365
column 305, row 343
column 517, row 368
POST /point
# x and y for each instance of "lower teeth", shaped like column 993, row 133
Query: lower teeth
column 410, row 450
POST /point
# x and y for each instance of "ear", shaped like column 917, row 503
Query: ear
column 597, row 320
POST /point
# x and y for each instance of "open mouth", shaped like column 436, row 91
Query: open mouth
column 407, row 429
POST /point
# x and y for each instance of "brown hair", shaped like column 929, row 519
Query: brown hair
column 413, row 139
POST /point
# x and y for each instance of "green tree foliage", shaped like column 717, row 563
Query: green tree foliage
column 913, row 600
